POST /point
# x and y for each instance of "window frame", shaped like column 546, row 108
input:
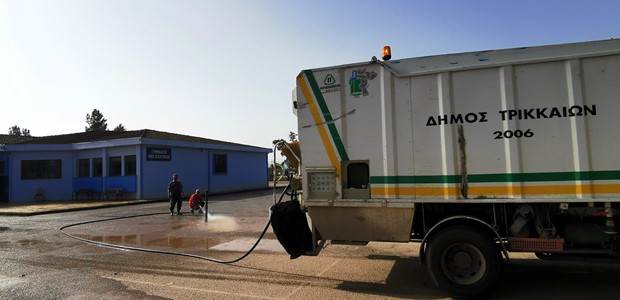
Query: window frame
column 220, row 164
column 97, row 167
column 35, row 169
column 115, row 166
column 80, row 171
column 130, row 163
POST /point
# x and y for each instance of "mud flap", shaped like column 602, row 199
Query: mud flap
column 290, row 226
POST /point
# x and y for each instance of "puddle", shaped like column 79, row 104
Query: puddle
column 157, row 240
column 244, row 244
column 30, row 242
column 6, row 282
column 193, row 243
column 183, row 233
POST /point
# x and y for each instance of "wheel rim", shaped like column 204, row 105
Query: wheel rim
column 463, row 264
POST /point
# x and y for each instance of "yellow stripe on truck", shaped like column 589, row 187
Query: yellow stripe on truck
column 320, row 126
column 594, row 189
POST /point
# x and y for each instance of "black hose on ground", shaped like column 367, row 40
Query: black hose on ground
column 123, row 247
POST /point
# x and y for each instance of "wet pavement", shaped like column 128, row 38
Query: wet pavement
column 148, row 232
column 38, row 261
column 191, row 233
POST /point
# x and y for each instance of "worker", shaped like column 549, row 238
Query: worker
column 175, row 193
column 196, row 203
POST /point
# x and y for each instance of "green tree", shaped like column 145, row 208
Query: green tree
column 96, row 121
column 120, row 128
column 292, row 136
column 279, row 171
column 16, row 130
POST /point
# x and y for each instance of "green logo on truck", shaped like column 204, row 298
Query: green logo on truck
column 358, row 83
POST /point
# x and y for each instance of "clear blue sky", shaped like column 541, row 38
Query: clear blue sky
column 226, row 69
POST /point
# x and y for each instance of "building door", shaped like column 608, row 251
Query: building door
column 4, row 188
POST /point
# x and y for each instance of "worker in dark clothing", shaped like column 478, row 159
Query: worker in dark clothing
column 175, row 192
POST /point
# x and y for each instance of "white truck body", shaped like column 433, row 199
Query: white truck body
column 515, row 127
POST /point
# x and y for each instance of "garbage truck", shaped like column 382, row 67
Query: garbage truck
column 473, row 155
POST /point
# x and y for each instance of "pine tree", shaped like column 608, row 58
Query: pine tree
column 16, row 130
column 96, row 121
column 120, row 127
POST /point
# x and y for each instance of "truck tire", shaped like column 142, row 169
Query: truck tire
column 463, row 261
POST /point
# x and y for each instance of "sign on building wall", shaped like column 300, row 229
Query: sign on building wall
column 158, row 154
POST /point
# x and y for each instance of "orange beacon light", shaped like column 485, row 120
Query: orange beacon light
column 387, row 53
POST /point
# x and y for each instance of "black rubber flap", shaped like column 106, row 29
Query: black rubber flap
column 290, row 226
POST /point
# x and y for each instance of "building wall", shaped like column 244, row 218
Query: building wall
column 23, row 190
column 189, row 163
column 100, row 184
column 195, row 167
column 245, row 170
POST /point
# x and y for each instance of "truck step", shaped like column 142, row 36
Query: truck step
column 535, row 245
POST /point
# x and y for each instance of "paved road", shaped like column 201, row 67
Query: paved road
column 37, row 261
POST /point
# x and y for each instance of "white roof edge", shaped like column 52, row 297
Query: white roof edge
column 489, row 58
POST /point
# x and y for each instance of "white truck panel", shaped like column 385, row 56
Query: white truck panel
column 601, row 78
column 538, row 123
column 464, row 152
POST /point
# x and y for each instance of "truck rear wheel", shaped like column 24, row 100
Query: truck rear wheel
column 463, row 261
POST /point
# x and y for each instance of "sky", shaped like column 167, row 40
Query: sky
column 226, row 70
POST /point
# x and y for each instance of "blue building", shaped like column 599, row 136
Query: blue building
column 130, row 165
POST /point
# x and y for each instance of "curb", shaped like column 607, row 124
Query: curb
column 87, row 206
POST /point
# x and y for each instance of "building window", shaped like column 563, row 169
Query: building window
column 97, row 167
column 220, row 164
column 130, row 165
column 115, row 166
column 84, row 167
column 41, row 169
